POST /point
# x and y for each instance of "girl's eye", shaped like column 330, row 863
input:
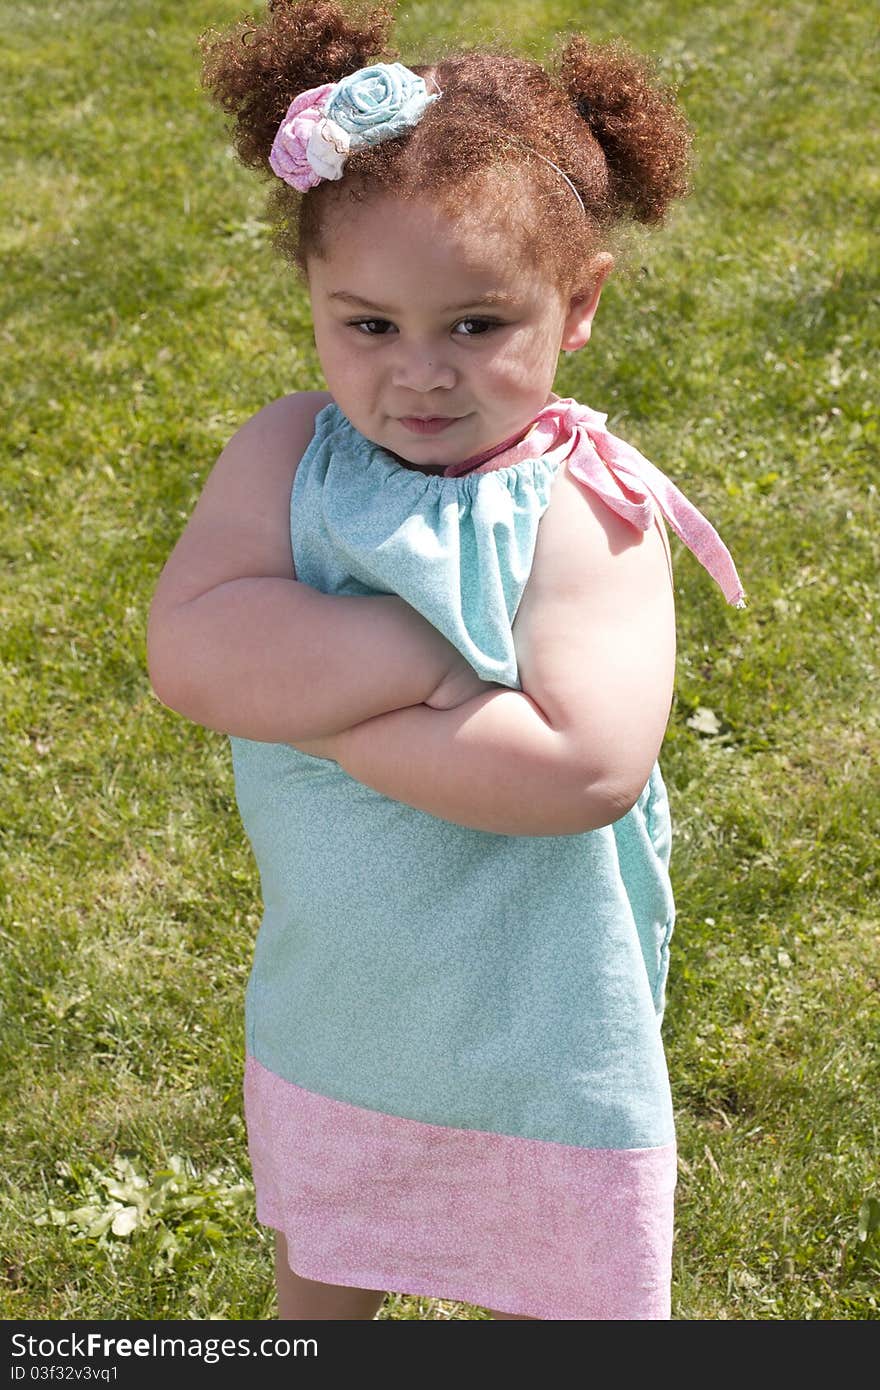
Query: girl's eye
column 478, row 326
column 378, row 328
column 372, row 328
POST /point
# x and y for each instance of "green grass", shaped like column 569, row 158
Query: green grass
column 143, row 318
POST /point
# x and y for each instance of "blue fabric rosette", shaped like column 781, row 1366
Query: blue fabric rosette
column 379, row 102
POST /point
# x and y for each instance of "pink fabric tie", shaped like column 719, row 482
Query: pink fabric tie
column 623, row 478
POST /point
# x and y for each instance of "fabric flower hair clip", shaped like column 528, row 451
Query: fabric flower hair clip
column 325, row 123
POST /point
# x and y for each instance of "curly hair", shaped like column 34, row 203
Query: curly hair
column 598, row 113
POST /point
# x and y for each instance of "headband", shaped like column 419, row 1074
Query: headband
column 324, row 124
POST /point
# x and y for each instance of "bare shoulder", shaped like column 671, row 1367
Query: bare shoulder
column 582, row 543
column 252, row 478
column 279, row 433
column 240, row 526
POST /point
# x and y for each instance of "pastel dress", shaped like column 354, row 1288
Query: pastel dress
column 455, row 1082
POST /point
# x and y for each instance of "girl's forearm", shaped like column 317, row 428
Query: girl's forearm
column 275, row 660
column 493, row 764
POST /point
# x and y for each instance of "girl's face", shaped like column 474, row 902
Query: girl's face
column 435, row 342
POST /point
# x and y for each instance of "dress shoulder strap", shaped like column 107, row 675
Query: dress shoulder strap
column 631, row 485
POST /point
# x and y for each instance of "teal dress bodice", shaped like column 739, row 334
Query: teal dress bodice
column 512, row 984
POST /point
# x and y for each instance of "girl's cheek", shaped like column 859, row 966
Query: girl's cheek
column 506, row 362
column 515, row 369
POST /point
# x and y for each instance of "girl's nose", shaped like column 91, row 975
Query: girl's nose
column 422, row 371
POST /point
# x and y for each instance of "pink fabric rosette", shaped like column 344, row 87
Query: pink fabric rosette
column 289, row 155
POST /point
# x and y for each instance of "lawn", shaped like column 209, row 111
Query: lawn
column 144, row 317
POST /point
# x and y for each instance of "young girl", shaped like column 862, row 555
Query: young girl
column 433, row 608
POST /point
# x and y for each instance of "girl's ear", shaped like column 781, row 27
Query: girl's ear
column 583, row 305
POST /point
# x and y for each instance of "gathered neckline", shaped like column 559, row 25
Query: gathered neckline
column 633, row 487
column 467, row 468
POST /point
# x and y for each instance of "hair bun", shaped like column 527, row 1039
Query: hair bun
column 636, row 120
column 254, row 70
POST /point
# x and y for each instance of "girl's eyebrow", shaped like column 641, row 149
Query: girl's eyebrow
column 491, row 297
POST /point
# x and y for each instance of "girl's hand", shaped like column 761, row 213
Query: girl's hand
column 460, row 684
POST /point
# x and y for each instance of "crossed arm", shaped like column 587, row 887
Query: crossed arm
column 235, row 642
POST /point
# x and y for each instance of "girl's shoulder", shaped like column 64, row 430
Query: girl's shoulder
column 582, row 542
column 239, row 525
column 282, row 430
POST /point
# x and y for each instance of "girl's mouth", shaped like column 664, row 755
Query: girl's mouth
column 433, row 425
